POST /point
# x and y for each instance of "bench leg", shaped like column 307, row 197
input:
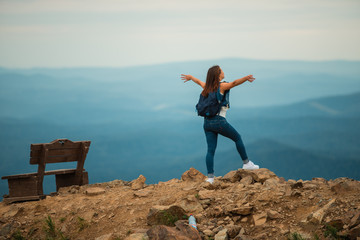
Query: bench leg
column 23, row 189
column 69, row 179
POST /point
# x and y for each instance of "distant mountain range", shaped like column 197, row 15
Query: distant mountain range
column 142, row 120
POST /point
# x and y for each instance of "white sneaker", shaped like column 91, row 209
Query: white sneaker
column 210, row 180
column 250, row 166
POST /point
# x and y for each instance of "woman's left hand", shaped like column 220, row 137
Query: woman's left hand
column 250, row 78
column 186, row 78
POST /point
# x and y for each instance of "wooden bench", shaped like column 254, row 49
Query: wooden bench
column 29, row 186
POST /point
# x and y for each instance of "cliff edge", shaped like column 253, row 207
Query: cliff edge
column 243, row 204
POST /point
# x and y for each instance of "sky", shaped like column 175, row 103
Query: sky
column 120, row 33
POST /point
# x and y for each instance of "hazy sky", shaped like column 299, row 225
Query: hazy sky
column 73, row 33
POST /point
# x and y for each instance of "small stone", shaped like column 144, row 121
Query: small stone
column 142, row 193
column 317, row 216
column 233, row 231
column 244, row 210
column 208, row 233
column 297, row 185
column 193, row 175
column 138, row 236
column 138, row 183
column 105, row 237
column 247, row 180
column 232, row 176
column 260, row 219
column 94, row 191
column 273, row 214
column 222, row 235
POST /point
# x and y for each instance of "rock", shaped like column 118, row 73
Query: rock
column 259, row 175
column 209, row 233
column 160, row 232
column 222, row 235
column 165, row 215
column 354, row 233
column 297, row 185
column 142, row 193
column 193, row 175
column 206, row 194
column 336, row 223
column 105, row 237
column 14, row 211
column 182, row 231
column 5, row 230
column 94, row 191
column 137, row 236
column 244, row 210
column 271, row 214
column 247, row 180
column 272, row 183
column 260, row 219
column 296, row 193
column 187, row 230
column 317, row 216
column 88, row 215
column 191, row 204
column 242, row 237
column 138, row 183
column 233, row 230
column 216, row 211
column 355, row 220
column 232, row 176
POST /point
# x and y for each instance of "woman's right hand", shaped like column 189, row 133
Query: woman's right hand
column 186, row 78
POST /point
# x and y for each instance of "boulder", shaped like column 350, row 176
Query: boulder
column 193, row 175
column 138, row 183
column 160, row 215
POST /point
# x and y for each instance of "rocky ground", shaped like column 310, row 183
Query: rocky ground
column 241, row 205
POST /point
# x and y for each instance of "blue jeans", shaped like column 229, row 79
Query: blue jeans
column 218, row 125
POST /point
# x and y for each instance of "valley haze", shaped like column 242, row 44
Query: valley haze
column 300, row 119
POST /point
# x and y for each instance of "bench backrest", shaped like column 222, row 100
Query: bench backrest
column 59, row 150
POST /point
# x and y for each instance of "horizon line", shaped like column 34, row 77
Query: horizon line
column 175, row 62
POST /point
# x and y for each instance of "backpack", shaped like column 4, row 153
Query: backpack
column 209, row 106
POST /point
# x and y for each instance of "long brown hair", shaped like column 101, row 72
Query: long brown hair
column 212, row 80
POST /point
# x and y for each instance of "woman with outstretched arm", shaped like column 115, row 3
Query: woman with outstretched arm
column 218, row 124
